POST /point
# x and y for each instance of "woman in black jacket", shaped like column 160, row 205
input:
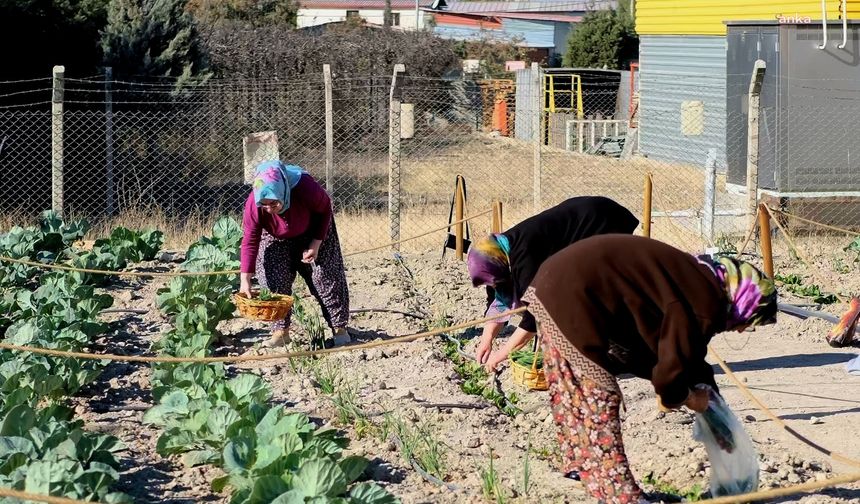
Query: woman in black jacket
column 506, row 263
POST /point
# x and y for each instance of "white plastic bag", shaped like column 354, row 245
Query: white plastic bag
column 734, row 461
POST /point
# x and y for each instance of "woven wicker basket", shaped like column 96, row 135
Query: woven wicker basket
column 530, row 377
column 256, row 309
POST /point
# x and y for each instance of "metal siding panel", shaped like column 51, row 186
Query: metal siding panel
column 525, row 106
column 533, row 33
column 674, row 69
column 707, row 17
column 465, row 32
column 818, row 116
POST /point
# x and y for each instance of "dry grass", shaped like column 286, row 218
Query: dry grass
column 494, row 168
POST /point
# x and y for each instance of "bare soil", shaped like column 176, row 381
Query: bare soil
column 789, row 366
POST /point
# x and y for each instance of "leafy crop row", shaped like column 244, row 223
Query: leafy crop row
column 268, row 455
column 42, row 448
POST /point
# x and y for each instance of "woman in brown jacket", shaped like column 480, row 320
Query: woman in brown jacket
column 616, row 304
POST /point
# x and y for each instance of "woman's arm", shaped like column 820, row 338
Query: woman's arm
column 251, row 233
column 681, row 354
column 319, row 203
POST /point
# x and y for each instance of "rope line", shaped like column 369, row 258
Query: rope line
column 422, row 235
column 49, row 499
column 785, row 491
column 797, row 250
column 780, row 422
column 660, row 203
column 249, row 358
column 820, row 224
column 171, row 274
column 806, row 487
column 750, row 233
column 748, row 497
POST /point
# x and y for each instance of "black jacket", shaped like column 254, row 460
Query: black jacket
column 540, row 236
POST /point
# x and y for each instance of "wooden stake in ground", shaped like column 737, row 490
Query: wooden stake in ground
column 646, row 206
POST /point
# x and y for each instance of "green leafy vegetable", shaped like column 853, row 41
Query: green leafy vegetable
column 527, row 358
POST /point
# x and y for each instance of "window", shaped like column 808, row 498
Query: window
column 395, row 19
column 692, row 118
column 350, row 14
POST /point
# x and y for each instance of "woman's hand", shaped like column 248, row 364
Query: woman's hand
column 495, row 359
column 485, row 345
column 245, row 284
column 519, row 338
column 310, row 254
column 697, row 400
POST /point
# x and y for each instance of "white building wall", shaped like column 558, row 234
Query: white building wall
column 314, row 17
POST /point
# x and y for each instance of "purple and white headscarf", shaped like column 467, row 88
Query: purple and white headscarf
column 752, row 296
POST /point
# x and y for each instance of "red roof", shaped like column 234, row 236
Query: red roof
column 482, row 22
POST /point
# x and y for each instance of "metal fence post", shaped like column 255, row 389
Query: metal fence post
column 394, row 100
column 752, row 139
column 57, row 140
column 329, row 132
column 538, row 135
column 710, row 195
column 110, row 195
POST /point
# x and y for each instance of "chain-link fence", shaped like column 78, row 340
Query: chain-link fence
column 388, row 148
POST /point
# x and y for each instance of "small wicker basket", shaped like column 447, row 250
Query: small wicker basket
column 269, row 310
column 529, row 377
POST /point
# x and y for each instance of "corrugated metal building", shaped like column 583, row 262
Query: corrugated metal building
column 708, row 17
column 682, row 98
column 542, row 27
column 682, row 66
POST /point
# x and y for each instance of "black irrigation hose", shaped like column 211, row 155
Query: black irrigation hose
column 496, row 382
column 420, row 470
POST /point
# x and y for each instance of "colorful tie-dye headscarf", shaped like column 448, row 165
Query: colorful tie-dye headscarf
column 274, row 180
column 489, row 264
column 752, row 296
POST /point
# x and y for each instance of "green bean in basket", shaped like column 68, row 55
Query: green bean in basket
column 526, row 358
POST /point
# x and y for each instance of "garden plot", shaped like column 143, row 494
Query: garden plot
column 417, row 414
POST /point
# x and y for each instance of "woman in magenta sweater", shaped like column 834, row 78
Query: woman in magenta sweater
column 289, row 228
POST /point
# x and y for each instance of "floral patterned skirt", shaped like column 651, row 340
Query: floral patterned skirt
column 585, row 401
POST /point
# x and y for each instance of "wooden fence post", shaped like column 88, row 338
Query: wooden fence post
column 646, row 207
column 764, row 231
column 497, row 216
column 459, row 212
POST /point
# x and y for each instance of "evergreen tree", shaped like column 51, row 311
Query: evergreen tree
column 153, row 38
column 254, row 12
column 38, row 34
column 603, row 38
